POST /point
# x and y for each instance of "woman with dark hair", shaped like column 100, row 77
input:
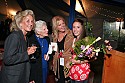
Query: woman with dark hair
column 80, row 69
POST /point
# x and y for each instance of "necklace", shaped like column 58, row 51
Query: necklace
column 41, row 42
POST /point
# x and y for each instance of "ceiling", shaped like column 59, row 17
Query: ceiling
column 120, row 3
column 46, row 9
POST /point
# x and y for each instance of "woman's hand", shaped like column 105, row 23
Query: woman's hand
column 85, row 61
column 31, row 50
column 78, row 61
column 46, row 57
column 68, row 65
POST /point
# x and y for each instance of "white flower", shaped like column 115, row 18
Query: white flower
column 96, row 53
column 97, row 50
column 106, row 41
column 86, row 48
column 99, row 38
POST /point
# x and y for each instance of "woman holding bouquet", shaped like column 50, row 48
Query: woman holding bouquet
column 79, row 70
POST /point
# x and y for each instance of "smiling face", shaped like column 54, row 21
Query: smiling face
column 61, row 26
column 77, row 29
column 43, row 31
column 27, row 23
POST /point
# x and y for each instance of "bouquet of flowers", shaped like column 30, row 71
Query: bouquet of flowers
column 87, row 49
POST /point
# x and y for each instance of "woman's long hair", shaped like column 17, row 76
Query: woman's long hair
column 55, row 23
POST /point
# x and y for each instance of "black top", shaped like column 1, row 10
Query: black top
column 61, row 44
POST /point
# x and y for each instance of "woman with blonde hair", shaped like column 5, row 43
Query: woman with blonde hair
column 62, row 35
column 16, row 66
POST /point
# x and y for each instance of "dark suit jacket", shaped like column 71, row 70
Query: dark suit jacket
column 36, row 64
column 16, row 66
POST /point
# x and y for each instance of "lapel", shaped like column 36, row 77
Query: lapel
column 22, row 40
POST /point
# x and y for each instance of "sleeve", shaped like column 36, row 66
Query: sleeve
column 68, row 45
column 13, row 53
